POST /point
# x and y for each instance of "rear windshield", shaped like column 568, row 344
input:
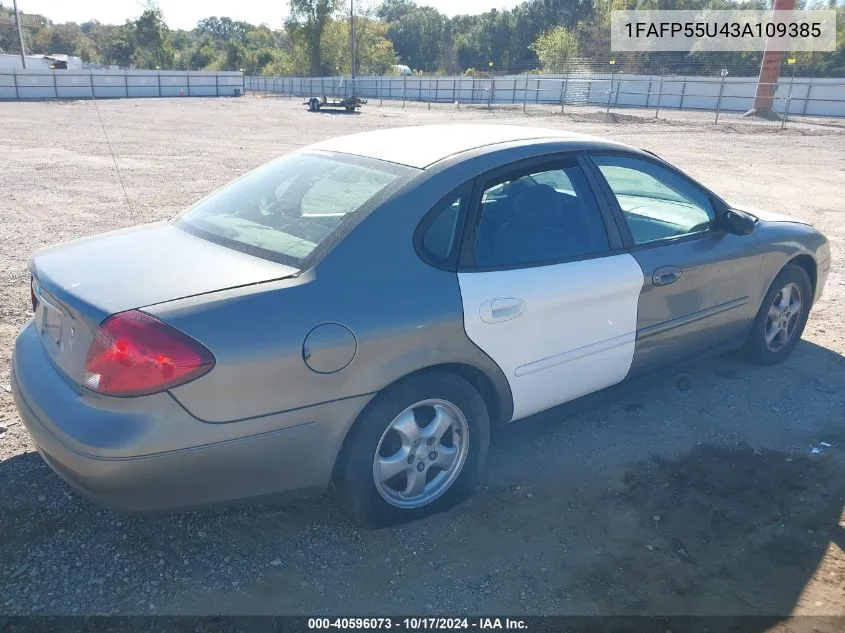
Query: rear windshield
column 295, row 208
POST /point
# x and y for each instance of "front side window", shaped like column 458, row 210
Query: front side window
column 290, row 208
column 657, row 203
column 542, row 216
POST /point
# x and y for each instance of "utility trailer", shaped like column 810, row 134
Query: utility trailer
column 350, row 104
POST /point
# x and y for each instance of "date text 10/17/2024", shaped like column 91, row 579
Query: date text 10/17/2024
column 417, row 624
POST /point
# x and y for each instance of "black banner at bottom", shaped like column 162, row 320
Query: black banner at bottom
column 533, row 624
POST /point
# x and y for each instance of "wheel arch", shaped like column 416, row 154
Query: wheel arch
column 758, row 350
column 808, row 263
column 499, row 404
column 803, row 260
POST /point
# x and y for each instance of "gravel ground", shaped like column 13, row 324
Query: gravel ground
column 649, row 501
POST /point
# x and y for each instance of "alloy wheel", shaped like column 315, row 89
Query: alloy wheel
column 421, row 453
column 783, row 317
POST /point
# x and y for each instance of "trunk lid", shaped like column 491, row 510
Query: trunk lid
column 78, row 284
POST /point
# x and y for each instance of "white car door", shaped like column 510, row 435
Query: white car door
column 545, row 296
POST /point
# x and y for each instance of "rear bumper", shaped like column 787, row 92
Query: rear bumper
column 149, row 454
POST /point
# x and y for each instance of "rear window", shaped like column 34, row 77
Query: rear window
column 295, row 208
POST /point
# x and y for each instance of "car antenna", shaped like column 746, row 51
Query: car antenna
column 111, row 151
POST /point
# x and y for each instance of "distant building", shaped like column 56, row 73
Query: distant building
column 44, row 62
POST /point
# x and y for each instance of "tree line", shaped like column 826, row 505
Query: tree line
column 536, row 35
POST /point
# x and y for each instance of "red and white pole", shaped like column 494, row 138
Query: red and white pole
column 767, row 81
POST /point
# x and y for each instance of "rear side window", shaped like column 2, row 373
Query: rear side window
column 441, row 237
column 543, row 216
column 290, row 209
column 440, row 230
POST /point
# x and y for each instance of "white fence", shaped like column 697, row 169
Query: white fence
column 807, row 96
column 110, row 84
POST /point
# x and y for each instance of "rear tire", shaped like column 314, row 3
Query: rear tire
column 419, row 407
column 781, row 318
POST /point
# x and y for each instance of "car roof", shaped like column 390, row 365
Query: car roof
column 423, row 145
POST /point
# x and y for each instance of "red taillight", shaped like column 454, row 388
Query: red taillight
column 135, row 354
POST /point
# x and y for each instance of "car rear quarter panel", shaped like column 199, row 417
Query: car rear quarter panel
column 405, row 316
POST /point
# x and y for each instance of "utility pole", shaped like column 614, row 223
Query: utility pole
column 769, row 72
column 20, row 33
column 352, row 42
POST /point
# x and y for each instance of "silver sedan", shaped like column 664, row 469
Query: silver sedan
column 360, row 313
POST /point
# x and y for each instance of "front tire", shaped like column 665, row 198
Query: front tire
column 781, row 318
column 416, row 450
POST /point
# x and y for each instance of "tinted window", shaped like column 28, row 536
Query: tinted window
column 292, row 206
column 441, row 235
column 542, row 216
column 657, row 203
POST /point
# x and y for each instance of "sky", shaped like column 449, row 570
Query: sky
column 184, row 14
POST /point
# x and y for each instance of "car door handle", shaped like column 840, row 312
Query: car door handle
column 666, row 275
column 501, row 309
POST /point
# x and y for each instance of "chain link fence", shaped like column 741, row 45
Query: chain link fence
column 698, row 64
column 721, row 83
column 793, row 96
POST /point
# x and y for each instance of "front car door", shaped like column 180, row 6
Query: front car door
column 548, row 291
column 698, row 275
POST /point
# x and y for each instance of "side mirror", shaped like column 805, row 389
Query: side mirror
column 739, row 223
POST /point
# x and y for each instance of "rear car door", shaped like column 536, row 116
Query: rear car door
column 548, row 291
column 698, row 275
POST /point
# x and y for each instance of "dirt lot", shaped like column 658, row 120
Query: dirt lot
column 651, row 501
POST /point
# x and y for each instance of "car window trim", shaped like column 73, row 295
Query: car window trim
column 466, row 257
column 451, row 262
column 719, row 205
column 611, row 224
